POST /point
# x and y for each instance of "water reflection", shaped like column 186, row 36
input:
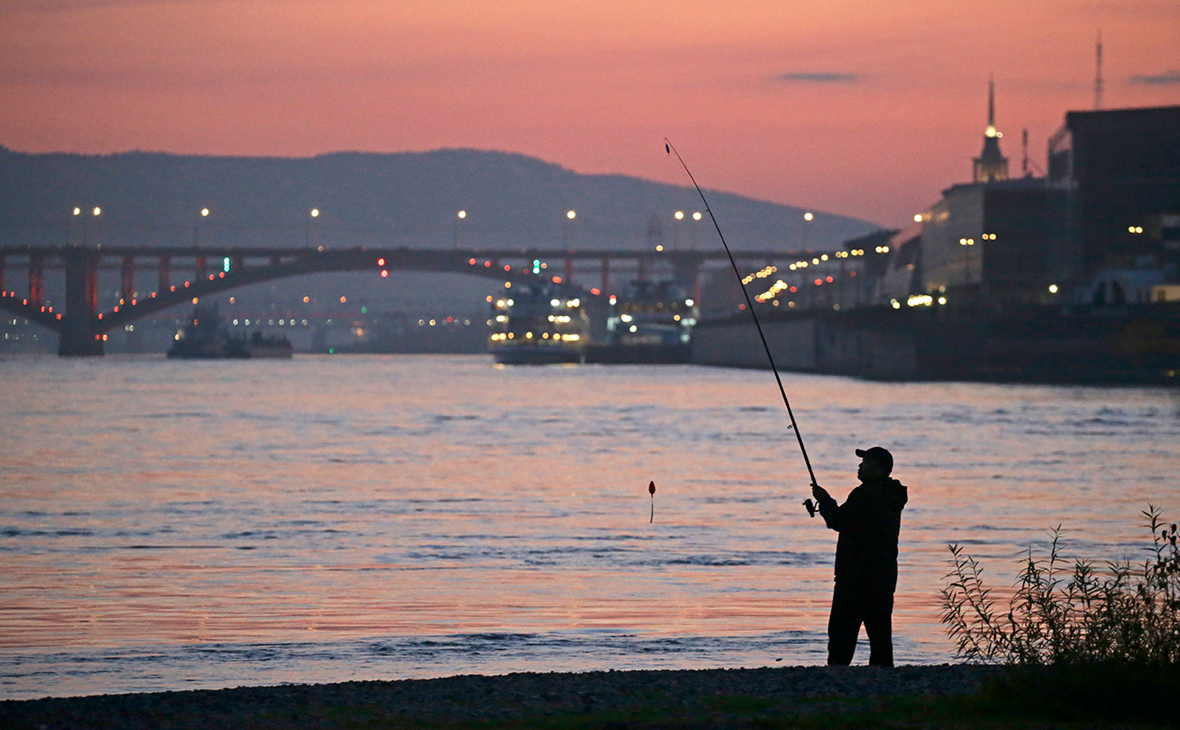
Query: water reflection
column 151, row 508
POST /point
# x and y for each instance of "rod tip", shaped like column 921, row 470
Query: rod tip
column 667, row 148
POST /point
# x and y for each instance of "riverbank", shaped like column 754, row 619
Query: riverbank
column 633, row 699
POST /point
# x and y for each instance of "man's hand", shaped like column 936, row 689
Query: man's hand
column 819, row 492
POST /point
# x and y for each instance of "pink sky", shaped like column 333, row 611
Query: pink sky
column 861, row 108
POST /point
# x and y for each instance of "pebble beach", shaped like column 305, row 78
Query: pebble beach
column 694, row 696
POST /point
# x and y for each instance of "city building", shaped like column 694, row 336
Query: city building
column 1114, row 193
column 984, row 241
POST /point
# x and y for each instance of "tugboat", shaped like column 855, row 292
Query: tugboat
column 651, row 324
column 205, row 337
column 539, row 323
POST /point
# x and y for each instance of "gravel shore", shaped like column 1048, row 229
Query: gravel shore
column 507, row 699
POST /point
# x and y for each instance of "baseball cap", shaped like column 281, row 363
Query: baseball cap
column 877, row 454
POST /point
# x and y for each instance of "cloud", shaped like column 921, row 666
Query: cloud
column 818, row 77
column 1171, row 76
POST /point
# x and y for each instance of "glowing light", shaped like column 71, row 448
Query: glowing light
column 343, row 300
column 807, row 216
column 917, row 217
column 696, row 216
column 380, row 262
column 689, row 302
column 77, row 211
column 571, row 215
column 462, row 214
column 204, row 212
column 679, row 215
column 659, row 247
column 98, row 211
column 1052, row 288
column 384, row 273
column 315, row 212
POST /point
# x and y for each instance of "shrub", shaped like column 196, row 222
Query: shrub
column 1121, row 615
column 1080, row 645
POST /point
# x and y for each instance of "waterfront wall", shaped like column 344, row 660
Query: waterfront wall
column 866, row 346
column 1032, row 344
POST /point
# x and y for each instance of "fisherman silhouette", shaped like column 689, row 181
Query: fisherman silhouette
column 866, row 559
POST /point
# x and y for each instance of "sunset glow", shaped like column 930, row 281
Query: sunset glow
column 862, row 110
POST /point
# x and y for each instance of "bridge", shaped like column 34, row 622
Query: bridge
column 82, row 325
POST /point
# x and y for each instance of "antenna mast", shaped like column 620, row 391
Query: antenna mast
column 1098, row 74
column 1024, row 153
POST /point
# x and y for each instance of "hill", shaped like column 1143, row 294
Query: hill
column 409, row 199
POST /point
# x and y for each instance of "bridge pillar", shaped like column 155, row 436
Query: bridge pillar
column 80, row 334
column 165, row 272
column 606, row 276
column 36, row 279
column 687, row 270
column 128, row 278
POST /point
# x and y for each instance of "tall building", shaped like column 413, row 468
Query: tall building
column 991, row 165
column 985, row 240
column 1114, row 181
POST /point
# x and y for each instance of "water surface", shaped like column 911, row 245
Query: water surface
column 175, row 525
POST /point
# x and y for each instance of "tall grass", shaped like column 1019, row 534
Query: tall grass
column 1089, row 641
column 1118, row 614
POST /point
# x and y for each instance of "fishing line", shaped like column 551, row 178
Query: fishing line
column 671, row 150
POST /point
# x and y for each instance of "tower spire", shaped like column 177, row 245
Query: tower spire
column 991, row 165
column 991, row 101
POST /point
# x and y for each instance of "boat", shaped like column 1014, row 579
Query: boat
column 650, row 323
column 206, row 337
column 539, row 323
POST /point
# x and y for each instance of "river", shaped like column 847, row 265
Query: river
column 170, row 525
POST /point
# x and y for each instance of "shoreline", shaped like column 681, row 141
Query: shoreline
column 660, row 695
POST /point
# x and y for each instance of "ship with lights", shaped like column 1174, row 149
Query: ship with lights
column 539, row 323
column 650, row 323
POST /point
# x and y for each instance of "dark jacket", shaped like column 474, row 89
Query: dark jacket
column 868, row 522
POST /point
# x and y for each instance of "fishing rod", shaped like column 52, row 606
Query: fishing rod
column 671, row 150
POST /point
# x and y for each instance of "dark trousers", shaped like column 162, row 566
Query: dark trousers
column 855, row 603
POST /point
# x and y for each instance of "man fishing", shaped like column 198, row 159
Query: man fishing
column 868, row 522
column 866, row 559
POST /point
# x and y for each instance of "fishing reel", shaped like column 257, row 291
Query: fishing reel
column 811, row 507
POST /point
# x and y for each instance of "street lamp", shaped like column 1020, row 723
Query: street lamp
column 197, row 226
column 569, row 228
column 458, row 217
column 79, row 214
column 315, row 213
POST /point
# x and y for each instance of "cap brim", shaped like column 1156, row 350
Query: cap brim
column 862, row 453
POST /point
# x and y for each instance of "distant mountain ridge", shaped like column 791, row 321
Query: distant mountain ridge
column 377, row 199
